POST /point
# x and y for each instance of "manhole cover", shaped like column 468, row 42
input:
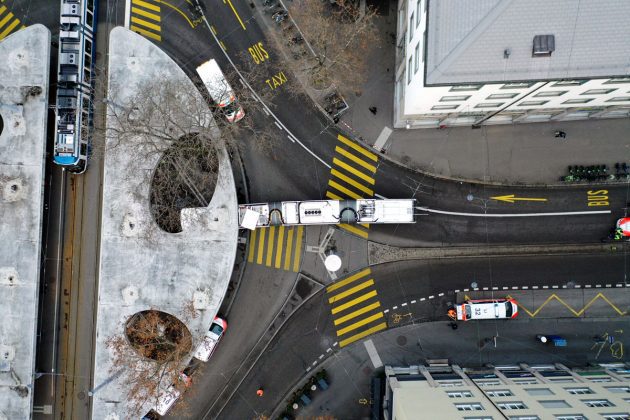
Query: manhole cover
column 401, row 340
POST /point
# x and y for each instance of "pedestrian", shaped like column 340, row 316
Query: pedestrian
column 260, row 392
column 560, row 134
column 372, row 110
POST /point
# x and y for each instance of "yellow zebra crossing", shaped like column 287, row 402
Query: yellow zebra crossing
column 277, row 247
column 352, row 177
column 355, row 307
column 8, row 22
column 146, row 19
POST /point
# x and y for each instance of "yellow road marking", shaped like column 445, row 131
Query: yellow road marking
column 178, row 11
column 146, row 5
column 145, row 23
column 351, row 291
column 352, row 182
column 575, row 313
column 298, row 245
column 9, row 28
column 348, row 280
column 365, row 333
column 358, row 148
column 223, row 45
column 270, row 238
column 344, row 190
column 214, row 31
column 261, row 246
column 353, row 171
column 365, row 225
column 353, row 302
column 235, row 13
column 6, row 19
column 2, row 9
column 511, row 198
column 287, row 255
column 146, row 14
column 356, row 313
column 352, row 229
column 333, row 196
column 279, row 247
column 252, row 245
column 146, row 33
column 355, row 159
column 359, row 324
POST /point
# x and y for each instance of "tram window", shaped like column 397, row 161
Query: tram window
column 83, row 149
column 89, row 19
column 90, row 6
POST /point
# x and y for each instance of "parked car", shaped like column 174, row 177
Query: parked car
column 487, row 309
column 211, row 339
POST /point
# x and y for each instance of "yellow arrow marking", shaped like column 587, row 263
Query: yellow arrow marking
column 512, row 198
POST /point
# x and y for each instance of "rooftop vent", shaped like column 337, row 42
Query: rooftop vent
column 544, row 45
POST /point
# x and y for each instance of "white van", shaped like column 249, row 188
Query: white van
column 487, row 309
column 211, row 339
column 220, row 90
column 166, row 399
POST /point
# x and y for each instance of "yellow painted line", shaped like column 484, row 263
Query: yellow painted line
column 261, row 246
column 356, row 313
column 223, row 45
column 345, row 153
column 143, row 22
column 512, row 198
column 343, row 189
column 333, row 196
column 573, row 311
column 363, row 334
column 146, row 33
column 9, row 28
column 353, row 171
column 214, row 31
column 351, row 291
column 146, row 5
column 235, row 13
column 601, row 296
column 359, row 324
column 287, row 255
column 355, row 230
column 358, row 148
column 365, row 225
column 348, row 280
column 2, row 9
column 6, row 19
column 298, row 248
column 352, row 182
column 279, row 247
column 178, row 11
column 353, row 302
column 272, row 234
column 146, row 14
column 252, row 245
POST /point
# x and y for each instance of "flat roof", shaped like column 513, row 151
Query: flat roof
column 467, row 40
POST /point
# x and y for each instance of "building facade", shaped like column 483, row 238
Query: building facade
column 519, row 392
column 471, row 63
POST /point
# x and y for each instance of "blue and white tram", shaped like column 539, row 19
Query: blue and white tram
column 73, row 119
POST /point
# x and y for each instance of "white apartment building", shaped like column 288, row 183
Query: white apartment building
column 518, row 392
column 475, row 62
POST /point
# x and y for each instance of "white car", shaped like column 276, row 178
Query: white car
column 487, row 309
column 212, row 337
column 166, row 399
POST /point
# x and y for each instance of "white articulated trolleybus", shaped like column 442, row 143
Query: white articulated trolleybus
column 326, row 212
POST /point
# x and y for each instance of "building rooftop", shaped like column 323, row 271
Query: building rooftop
column 23, row 109
column 485, row 41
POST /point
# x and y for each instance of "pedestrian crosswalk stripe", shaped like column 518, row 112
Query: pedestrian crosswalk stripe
column 333, row 196
column 356, row 313
column 353, row 229
column 252, row 241
column 363, row 334
column 298, row 245
column 287, row 257
column 269, row 245
column 143, row 22
column 146, row 19
column 358, row 148
column 353, row 302
column 146, row 5
column 261, row 246
column 279, row 247
column 348, row 280
column 359, row 324
column 343, row 189
column 6, row 18
column 9, row 28
column 146, row 14
column 352, row 182
column 355, row 159
column 10, row 20
column 145, row 33
column 353, row 171
column 351, row 291
column 270, row 238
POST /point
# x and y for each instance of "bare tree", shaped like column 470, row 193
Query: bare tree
column 341, row 35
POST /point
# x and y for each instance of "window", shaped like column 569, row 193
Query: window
column 600, row 379
column 450, row 384
column 550, row 93
column 517, row 85
column 477, row 418
column 500, row 393
column 411, row 28
column 539, row 391
column 561, row 379
column 598, row 403
column 464, row 88
column 619, row 99
column 409, row 71
column 487, row 383
column 618, row 389
column 444, row 108
column 571, row 417
column 418, row 13
column 454, row 98
column 554, row 404
column 511, row 405
column 569, row 82
column 417, row 60
column 532, row 103
column 617, row 80
column 526, row 417
column 616, row 416
column 598, row 91
column 502, row 96
column 489, row 105
column 528, row 381
column 577, row 101
column 544, row 45
column 469, row 407
column 579, row 391
column 459, row 394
